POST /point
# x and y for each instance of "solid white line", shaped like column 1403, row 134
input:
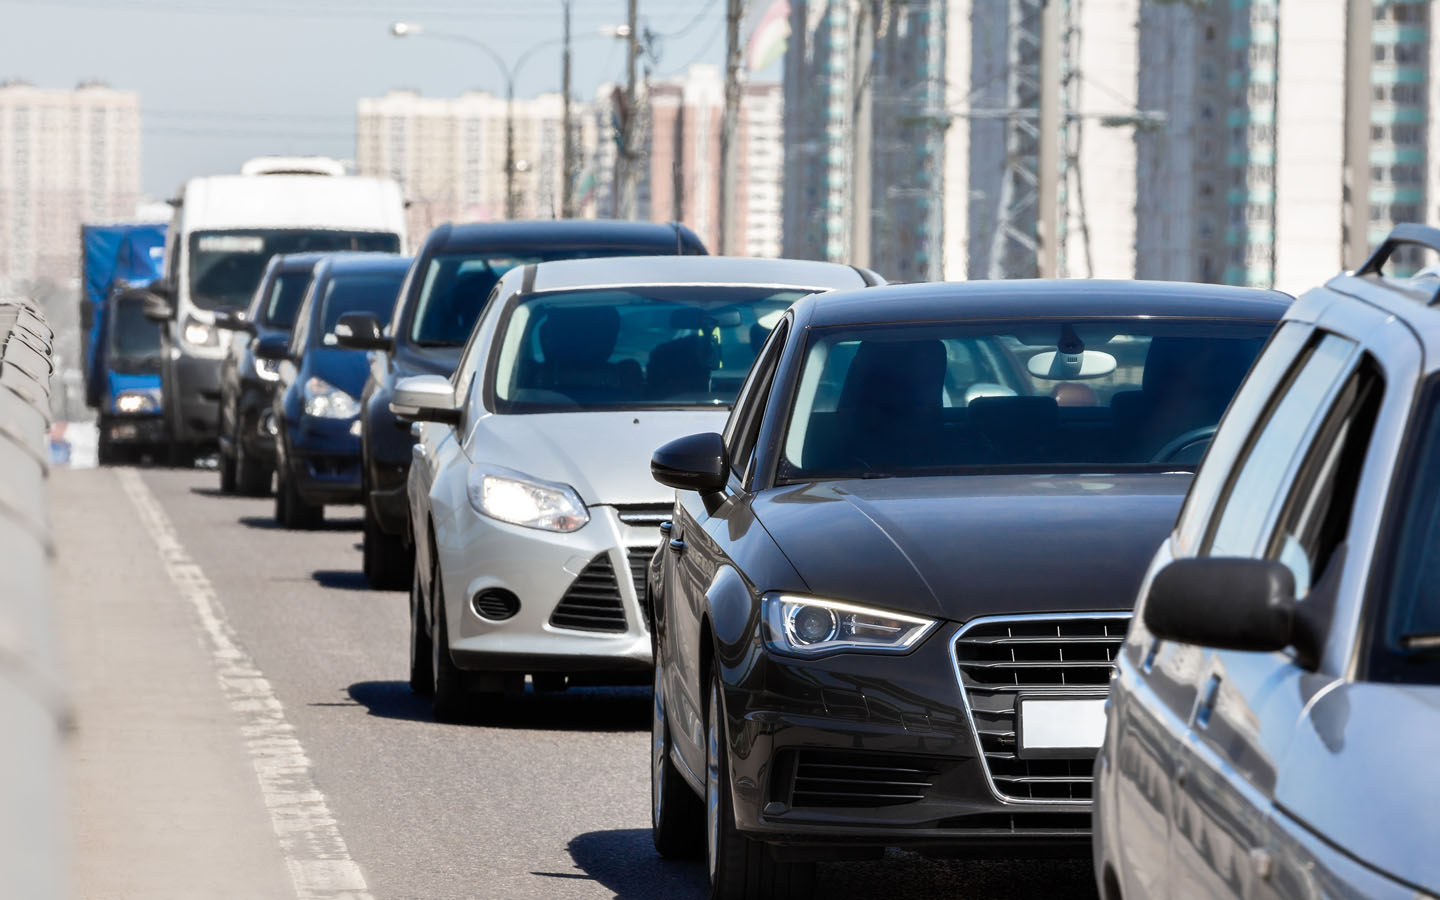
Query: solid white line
column 314, row 850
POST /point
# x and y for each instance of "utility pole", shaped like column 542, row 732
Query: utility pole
column 1047, row 193
column 511, row 199
column 629, row 133
column 861, row 136
column 567, row 187
column 1355, row 224
column 729, row 128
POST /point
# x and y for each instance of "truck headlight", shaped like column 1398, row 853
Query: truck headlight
column 200, row 335
column 810, row 626
column 521, row 500
column 135, row 402
column 324, row 400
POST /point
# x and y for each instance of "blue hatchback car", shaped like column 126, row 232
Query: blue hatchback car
column 317, row 403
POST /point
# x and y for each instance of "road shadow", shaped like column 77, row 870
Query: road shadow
column 624, row 861
column 216, row 492
column 342, row 579
column 578, row 709
column 268, row 523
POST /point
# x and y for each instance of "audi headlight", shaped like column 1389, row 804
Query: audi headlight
column 809, row 626
column 133, row 402
column 325, row 401
column 521, row 500
column 201, row 335
column 267, row 369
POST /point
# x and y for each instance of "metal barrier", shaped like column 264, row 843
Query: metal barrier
column 32, row 706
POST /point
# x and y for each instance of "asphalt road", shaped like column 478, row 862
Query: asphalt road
column 545, row 796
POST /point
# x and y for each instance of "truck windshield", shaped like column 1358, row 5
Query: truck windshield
column 226, row 266
column 134, row 339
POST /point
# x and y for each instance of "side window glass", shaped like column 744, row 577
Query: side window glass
column 1316, row 515
column 744, row 422
column 1244, row 510
column 1240, row 419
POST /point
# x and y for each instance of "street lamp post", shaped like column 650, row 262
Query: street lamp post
column 508, row 72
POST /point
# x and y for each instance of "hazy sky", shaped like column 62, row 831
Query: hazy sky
column 223, row 80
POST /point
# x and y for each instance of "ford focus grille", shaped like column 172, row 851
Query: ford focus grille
column 999, row 660
column 592, row 603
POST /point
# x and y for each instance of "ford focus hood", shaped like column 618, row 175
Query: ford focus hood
column 964, row 546
column 605, row 456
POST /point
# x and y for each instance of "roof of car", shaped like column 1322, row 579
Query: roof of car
column 297, row 262
column 564, row 232
column 359, row 263
column 573, row 274
column 1042, row 299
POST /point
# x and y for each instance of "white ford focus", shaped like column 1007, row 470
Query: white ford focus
column 534, row 510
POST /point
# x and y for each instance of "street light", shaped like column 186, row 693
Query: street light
column 508, row 72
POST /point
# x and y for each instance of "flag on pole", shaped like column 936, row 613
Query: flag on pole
column 770, row 37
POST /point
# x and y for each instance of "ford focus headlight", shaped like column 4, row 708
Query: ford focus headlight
column 325, row 401
column 200, row 335
column 809, row 626
column 134, row 402
column 520, row 500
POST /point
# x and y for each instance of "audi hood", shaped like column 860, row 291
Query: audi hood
column 957, row 547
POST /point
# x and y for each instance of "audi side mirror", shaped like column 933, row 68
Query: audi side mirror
column 694, row 463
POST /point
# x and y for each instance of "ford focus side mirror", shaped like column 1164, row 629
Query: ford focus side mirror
column 1226, row 604
column 361, row 331
column 425, row 398
column 275, row 347
column 694, row 463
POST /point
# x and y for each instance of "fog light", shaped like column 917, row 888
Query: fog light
column 495, row 605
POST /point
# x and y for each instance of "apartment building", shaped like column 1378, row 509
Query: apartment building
column 66, row 157
column 448, row 153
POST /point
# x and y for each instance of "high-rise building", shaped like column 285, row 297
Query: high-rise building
column 818, row 92
column 66, row 157
column 448, row 154
column 682, row 171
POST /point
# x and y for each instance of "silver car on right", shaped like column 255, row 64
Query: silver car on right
column 1273, row 726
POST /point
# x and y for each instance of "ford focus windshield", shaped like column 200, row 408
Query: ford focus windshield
column 650, row 348
column 1033, row 395
column 457, row 285
column 226, row 266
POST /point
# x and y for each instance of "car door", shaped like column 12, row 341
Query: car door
column 1276, row 504
column 704, row 531
column 1155, row 692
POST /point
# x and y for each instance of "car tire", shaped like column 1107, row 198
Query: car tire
column 677, row 816
column 252, row 476
column 448, row 701
column 388, row 562
column 422, row 674
column 739, row 867
column 182, row 455
column 291, row 510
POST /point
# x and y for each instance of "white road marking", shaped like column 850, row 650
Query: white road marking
column 314, row 850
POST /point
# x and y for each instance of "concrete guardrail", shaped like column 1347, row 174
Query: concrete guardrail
column 33, row 709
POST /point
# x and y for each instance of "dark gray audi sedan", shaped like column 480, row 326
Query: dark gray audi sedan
column 893, row 588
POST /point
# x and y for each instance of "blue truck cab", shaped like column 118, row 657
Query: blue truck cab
column 123, row 348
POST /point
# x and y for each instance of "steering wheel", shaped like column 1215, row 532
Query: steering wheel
column 1193, row 436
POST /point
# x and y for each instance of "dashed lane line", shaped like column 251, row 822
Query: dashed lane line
column 314, row 850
